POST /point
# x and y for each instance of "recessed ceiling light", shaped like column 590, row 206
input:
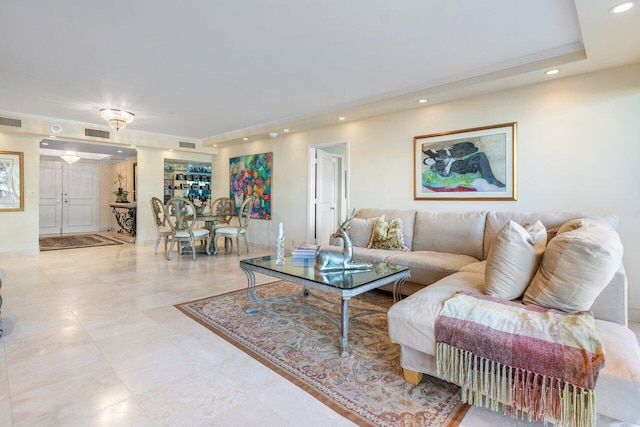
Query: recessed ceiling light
column 170, row 149
column 285, row 130
column 45, row 143
column 342, row 118
column 52, row 136
column 552, row 72
column 119, row 151
column 422, row 101
column 215, row 145
column 622, row 7
column 245, row 139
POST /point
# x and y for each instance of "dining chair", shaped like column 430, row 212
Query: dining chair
column 160, row 221
column 181, row 217
column 230, row 231
column 223, row 207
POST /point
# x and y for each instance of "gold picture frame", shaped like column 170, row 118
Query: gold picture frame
column 468, row 164
column 11, row 181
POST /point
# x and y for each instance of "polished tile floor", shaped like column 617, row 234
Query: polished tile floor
column 91, row 338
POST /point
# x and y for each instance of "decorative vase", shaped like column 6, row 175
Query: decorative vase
column 121, row 196
column 200, row 210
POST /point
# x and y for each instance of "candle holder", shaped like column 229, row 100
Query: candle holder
column 280, row 251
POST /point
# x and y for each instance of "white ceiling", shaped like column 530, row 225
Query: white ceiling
column 219, row 70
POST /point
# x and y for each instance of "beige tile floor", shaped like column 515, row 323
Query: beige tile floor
column 91, row 338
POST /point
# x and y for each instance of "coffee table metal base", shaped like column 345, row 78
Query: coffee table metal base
column 345, row 295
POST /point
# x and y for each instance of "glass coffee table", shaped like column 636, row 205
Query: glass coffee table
column 344, row 283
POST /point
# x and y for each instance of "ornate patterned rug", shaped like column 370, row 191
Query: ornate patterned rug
column 52, row 243
column 367, row 387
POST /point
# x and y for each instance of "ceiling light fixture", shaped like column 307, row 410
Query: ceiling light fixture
column 118, row 119
column 70, row 157
column 285, row 130
column 245, row 139
column 45, row 143
column 622, row 7
column 422, row 101
column 552, row 72
column 342, row 118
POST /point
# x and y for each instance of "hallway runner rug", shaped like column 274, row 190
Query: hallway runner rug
column 52, row 243
column 366, row 387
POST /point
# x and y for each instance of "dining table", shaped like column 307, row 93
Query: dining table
column 210, row 222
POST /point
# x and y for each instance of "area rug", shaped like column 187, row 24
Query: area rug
column 367, row 387
column 52, row 243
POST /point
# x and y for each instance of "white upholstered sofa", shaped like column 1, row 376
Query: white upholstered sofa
column 448, row 252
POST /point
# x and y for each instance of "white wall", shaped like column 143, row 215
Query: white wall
column 578, row 145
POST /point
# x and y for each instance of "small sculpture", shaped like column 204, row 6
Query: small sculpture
column 327, row 260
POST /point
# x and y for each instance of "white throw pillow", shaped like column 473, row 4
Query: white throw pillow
column 513, row 259
column 577, row 265
column 360, row 230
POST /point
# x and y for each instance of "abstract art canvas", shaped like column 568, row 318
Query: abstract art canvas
column 251, row 176
column 11, row 181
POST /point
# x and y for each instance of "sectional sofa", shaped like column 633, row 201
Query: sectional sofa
column 446, row 252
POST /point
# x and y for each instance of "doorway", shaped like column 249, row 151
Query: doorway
column 68, row 198
column 328, row 201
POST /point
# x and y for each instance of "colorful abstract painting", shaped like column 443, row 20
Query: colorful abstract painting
column 251, row 176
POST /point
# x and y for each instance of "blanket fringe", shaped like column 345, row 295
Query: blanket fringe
column 489, row 384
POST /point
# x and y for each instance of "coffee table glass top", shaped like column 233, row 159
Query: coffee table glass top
column 304, row 268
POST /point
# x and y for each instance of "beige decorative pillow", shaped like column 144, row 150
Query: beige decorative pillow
column 387, row 236
column 513, row 259
column 576, row 266
column 360, row 230
column 610, row 222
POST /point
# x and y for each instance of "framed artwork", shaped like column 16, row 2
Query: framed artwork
column 251, row 176
column 468, row 164
column 11, row 181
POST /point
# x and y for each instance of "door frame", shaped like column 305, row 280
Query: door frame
column 311, row 190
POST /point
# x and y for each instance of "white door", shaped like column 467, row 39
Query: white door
column 69, row 204
column 50, row 197
column 326, row 196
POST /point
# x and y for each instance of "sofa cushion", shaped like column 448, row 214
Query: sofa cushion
column 411, row 320
column 475, row 267
column 360, row 230
column 428, row 267
column 576, row 267
column 619, row 380
column 387, row 235
column 497, row 220
column 450, row 232
column 513, row 259
column 373, row 255
column 408, row 218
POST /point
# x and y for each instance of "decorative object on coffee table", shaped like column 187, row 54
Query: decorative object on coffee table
column 327, row 260
column 280, row 246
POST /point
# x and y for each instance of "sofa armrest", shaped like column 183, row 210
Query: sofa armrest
column 611, row 304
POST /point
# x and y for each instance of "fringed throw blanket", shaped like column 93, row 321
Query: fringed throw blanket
column 529, row 359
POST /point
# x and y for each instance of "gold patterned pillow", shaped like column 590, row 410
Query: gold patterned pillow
column 387, row 235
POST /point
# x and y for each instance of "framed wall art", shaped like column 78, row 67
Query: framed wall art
column 251, row 176
column 11, row 181
column 468, row 164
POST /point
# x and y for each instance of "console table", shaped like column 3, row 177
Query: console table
column 125, row 214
